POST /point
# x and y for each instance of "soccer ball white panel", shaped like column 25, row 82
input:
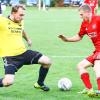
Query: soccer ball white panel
column 64, row 84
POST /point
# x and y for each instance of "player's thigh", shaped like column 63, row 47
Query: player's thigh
column 97, row 68
column 34, row 57
column 84, row 64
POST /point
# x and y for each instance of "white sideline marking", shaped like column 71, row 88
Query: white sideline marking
column 68, row 56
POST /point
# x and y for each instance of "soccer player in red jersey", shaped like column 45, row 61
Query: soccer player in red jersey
column 93, row 4
column 91, row 27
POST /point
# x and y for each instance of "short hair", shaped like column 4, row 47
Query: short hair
column 85, row 7
column 16, row 7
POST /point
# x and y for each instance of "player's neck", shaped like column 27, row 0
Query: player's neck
column 89, row 18
column 11, row 18
column 92, row 0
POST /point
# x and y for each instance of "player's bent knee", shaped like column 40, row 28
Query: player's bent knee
column 45, row 61
column 79, row 67
column 48, row 61
column 7, row 82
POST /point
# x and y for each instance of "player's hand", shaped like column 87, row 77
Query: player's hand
column 29, row 42
column 62, row 37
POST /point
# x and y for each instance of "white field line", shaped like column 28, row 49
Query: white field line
column 58, row 56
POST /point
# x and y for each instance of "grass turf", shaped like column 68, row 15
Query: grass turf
column 43, row 27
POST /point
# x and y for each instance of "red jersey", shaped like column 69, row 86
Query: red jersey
column 92, row 29
column 92, row 4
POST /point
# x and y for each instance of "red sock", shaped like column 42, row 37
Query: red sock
column 98, row 82
column 86, row 80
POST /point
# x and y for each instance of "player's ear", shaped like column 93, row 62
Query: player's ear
column 14, row 13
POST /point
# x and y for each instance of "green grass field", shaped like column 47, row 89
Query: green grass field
column 43, row 27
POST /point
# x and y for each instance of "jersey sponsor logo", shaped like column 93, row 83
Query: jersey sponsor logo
column 86, row 29
column 14, row 29
column 97, row 56
column 92, row 34
column 94, row 26
column 91, row 4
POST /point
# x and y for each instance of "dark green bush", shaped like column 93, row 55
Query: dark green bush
column 54, row 2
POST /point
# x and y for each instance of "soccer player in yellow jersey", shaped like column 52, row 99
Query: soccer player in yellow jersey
column 14, row 52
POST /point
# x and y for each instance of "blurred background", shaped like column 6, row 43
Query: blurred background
column 48, row 3
column 45, row 4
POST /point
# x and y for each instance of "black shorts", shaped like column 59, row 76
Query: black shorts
column 13, row 63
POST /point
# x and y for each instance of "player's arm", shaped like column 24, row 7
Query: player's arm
column 70, row 39
column 25, row 36
column 96, row 8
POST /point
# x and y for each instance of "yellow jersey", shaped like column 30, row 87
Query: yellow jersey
column 11, row 40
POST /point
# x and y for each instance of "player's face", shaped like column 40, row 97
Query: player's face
column 18, row 16
column 85, row 15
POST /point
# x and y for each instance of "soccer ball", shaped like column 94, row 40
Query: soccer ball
column 64, row 84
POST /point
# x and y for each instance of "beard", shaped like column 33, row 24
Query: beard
column 17, row 21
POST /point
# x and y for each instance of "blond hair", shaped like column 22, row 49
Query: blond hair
column 85, row 7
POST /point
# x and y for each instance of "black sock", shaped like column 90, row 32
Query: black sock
column 1, row 84
column 42, row 75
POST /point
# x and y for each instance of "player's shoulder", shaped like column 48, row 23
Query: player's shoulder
column 86, row 1
column 97, row 17
column 2, row 18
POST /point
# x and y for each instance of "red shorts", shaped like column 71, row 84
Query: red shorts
column 93, row 57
